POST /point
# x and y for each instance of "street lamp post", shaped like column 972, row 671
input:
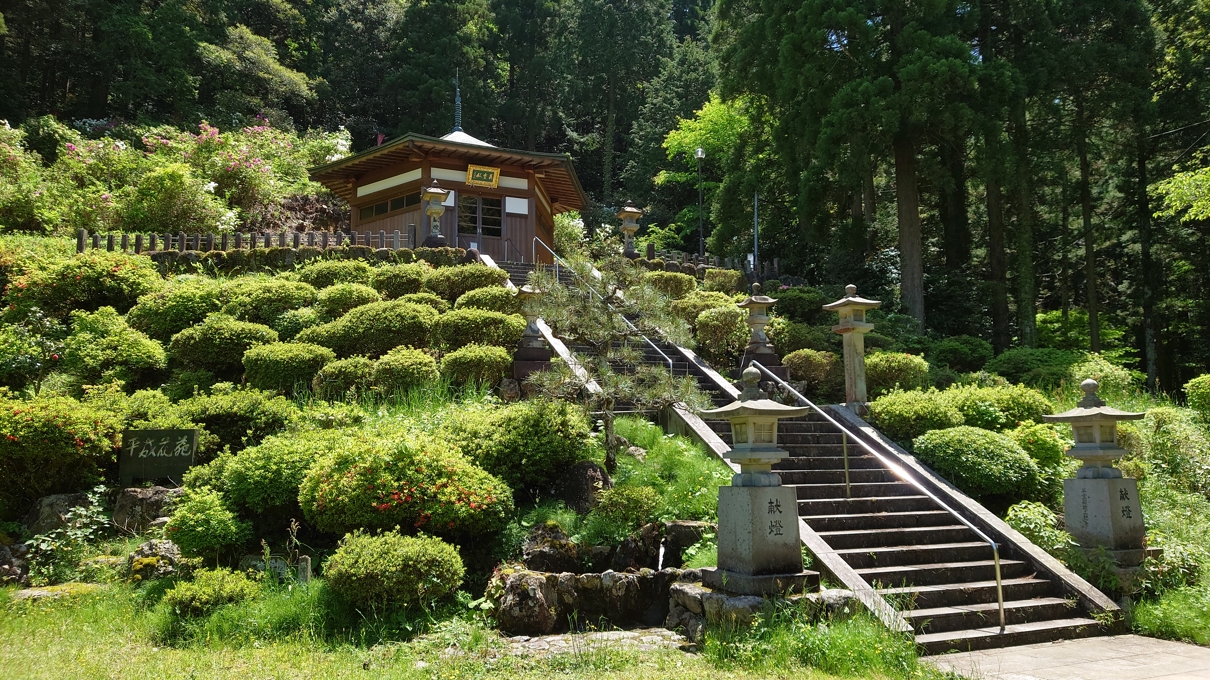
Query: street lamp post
column 701, row 234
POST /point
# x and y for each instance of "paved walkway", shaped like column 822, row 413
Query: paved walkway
column 1121, row 657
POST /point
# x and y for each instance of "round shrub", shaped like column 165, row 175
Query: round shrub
column 995, row 408
column 283, row 366
column 698, row 301
column 465, row 326
column 209, row 590
column 526, row 444
column 979, row 462
column 499, row 299
column 963, row 353
column 335, row 300
column 1110, row 377
column 341, row 378
column 238, row 418
column 165, row 313
column 395, row 281
column 433, row 300
column 262, row 300
column 325, row 273
column 265, row 478
column 671, row 284
column 477, row 364
column 1041, row 442
column 822, row 371
column 202, row 524
column 724, row 280
column 439, row 257
column 51, row 445
column 404, row 368
column 885, row 371
column 451, row 282
column 85, row 282
column 903, row 416
column 374, row 329
column 1040, row 525
column 410, row 480
column 218, row 344
column 389, row 569
column 619, row 513
column 802, row 304
column 790, row 336
column 292, row 322
column 102, row 347
column 1016, row 363
column 722, row 334
column 1197, row 392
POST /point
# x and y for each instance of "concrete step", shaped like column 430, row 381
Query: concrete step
column 784, row 427
column 827, row 463
column 942, row 573
column 879, row 520
column 849, row 539
column 987, row 614
column 969, row 593
column 827, row 450
column 859, row 490
column 865, row 475
column 809, row 507
column 899, row 555
column 1017, row 634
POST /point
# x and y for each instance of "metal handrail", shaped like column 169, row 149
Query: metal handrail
column 899, row 472
column 507, row 243
column 557, row 259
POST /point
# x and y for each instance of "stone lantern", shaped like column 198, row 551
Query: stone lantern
column 758, row 542
column 1100, row 506
column 630, row 224
column 853, row 328
column 433, row 198
column 533, row 354
column 759, row 348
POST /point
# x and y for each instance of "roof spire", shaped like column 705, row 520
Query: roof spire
column 457, row 103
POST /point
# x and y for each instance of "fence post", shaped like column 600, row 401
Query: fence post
column 109, row 242
column 180, row 241
column 340, row 238
column 395, row 240
column 323, row 239
column 239, row 240
column 382, row 239
column 138, row 244
column 311, row 239
column 96, row 241
column 152, row 245
column 296, row 241
column 269, row 241
column 81, row 240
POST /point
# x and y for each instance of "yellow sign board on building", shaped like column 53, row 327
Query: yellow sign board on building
column 482, row 176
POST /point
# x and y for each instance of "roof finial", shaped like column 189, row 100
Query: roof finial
column 457, row 102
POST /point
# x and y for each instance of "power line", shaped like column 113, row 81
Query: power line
column 1161, row 134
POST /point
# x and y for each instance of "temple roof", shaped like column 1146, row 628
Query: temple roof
column 461, row 137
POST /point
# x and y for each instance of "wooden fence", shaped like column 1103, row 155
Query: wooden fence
column 181, row 242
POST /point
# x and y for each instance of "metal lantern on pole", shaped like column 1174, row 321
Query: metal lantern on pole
column 629, row 215
column 700, row 155
column 433, row 198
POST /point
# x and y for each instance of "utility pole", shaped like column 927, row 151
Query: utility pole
column 701, row 234
column 756, row 234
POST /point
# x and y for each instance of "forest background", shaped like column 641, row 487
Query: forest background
column 1026, row 171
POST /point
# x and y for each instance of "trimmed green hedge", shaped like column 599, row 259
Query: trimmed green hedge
column 263, row 300
column 722, row 334
column 165, row 313
column 462, row 327
column 980, row 462
column 885, row 371
column 452, row 282
column 903, row 416
column 374, row 329
column 499, row 299
column 963, row 353
column 218, row 344
column 203, row 525
column 724, row 280
column 1025, row 364
column 692, row 305
column 86, row 282
column 336, row 300
column 291, row 323
column 802, row 304
column 238, row 418
column 433, row 300
column 283, row 366
column 324, row 273
column 478, row 364
column 341, row 378
column 375, row 572
column 1197, row 391
column 404, row 368
column 102, row 348
column 395, row 281
column 997, row 408
column 672, row 284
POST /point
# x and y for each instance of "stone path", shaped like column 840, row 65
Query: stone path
column 1121, row 657
column 642, row 640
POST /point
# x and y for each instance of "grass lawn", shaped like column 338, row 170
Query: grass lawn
column 110, row 634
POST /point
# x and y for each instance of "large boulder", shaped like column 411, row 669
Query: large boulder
column 548, row 548
column 135, row 509
column 527, row 605
column 680, row 535
column 13, row 565
column 579, row 485
column 152, row 560
column 50, row 512
column 641, row 551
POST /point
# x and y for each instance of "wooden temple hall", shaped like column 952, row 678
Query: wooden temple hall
column 499, row 200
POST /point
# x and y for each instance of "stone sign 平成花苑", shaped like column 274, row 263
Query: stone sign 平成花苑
column 156, row 454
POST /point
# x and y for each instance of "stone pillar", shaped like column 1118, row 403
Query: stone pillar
column 533, row 354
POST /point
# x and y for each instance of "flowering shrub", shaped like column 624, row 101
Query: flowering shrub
column 172, row 199
column 51, row 445
column 411, row 480
column 378, row 571
column 85, row 282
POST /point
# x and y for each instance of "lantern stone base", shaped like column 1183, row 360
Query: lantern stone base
column 1105, row 513
column 435, row 241
column 758, row 530
column 736, row 583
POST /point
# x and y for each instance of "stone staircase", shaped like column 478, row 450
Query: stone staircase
column 937, row 572
column 518, row 272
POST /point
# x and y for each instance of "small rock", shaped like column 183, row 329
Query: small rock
column 50, row 512
column 157, row 523
column 637, row 452
column 548, row 548
column 510, row 389
column 136, row 508
column 153, row 559
column 278, row 566
column 579, row 485
column 13, row 568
